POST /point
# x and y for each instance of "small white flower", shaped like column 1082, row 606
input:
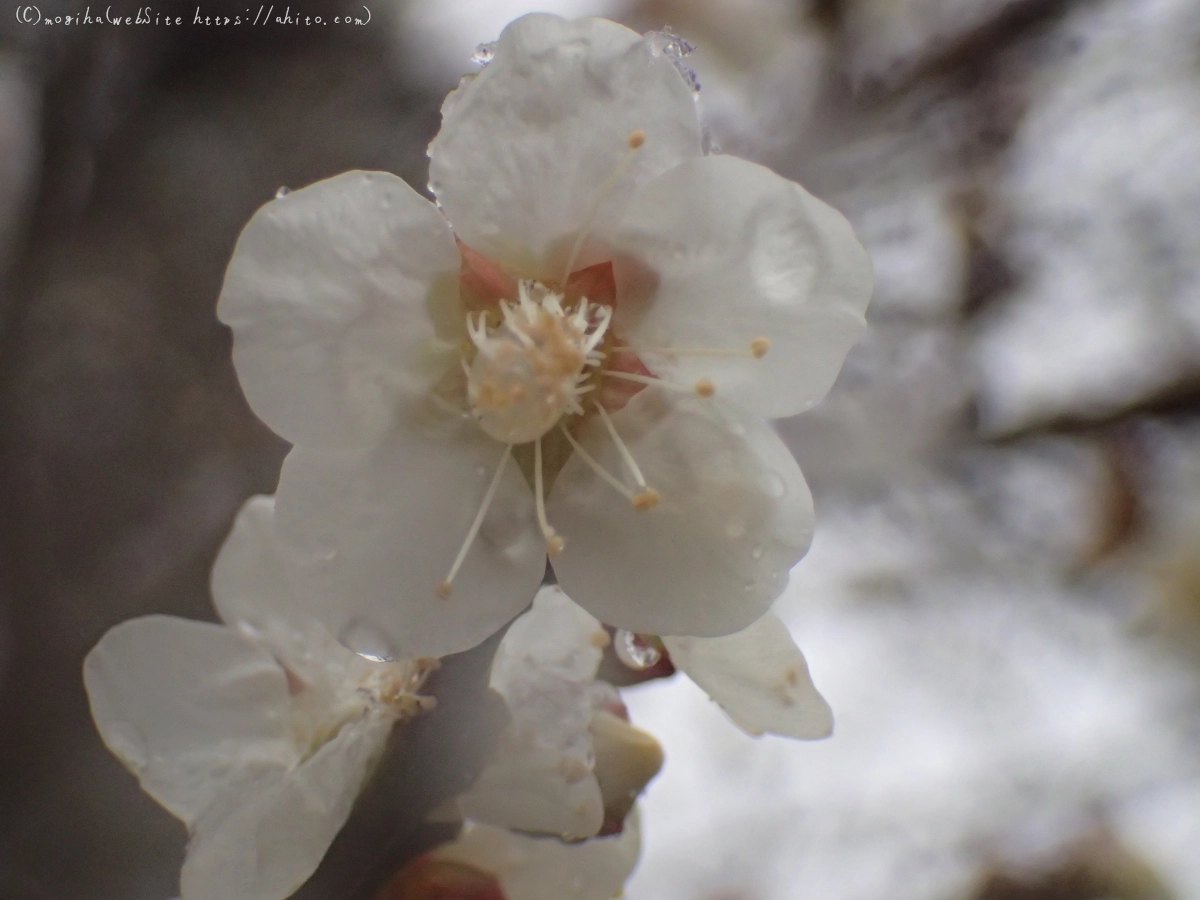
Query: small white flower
column 581, row 365
column 257, row 734
column 568, row 764
column 540, row 777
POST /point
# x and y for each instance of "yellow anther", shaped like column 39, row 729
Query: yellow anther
column 555, row 544
column 705, row 388
column 759, row 347
column 636, row 139
column 647, row 499
column 443, row 589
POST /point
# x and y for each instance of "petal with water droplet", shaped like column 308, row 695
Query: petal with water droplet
column 527, row 146
column 759, row 677
column 719, row 252
column 675, row 568
column 331, row 295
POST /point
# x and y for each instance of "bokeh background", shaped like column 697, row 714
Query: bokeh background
column 1002, row 603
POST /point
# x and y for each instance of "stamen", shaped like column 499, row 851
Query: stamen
column 554, row 543
column 703, row 388
column 443, row 589
column 636, row 140
column 758, row 349
column 596, row 467
column 626, row 456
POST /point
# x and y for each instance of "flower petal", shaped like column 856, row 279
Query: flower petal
column 734, row 516
column 759, row 677
column 264, row 840
column 383, row 527
column 253, row 590
column 528, row 144
column 531, row 868
column 332, row 295
column 187, row 707
column 734, row 252
column 540, row 778
column 533, row 788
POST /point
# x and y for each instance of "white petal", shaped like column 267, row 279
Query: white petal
column 734, row 253
column 555, row 641
column 540, row 777
column 527, row 145
column 253, row 586
column 537, row 789
column 709, row 559
column 384, row 526
column 530, row 868
column 759, row 677
column 264, row 840
column 187, row 706
column 330, row 295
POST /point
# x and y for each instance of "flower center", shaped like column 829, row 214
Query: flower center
column 531, row 368
column 389, row 689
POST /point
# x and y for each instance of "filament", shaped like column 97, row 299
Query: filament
column 596, row 467
column 443, row 589
column 757, row 349
column 554, row 543
column 703, row 388
column 636, row 140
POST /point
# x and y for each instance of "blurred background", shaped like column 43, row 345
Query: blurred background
column 1002, row 602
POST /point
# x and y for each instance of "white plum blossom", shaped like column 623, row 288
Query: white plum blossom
column 573, row 352
column 568, row 764
column 257, row 734
column 540, row 777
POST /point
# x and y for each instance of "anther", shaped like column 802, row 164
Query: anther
column 759, row 347
column 636, row 139
column 705, row 388
column 646, row 499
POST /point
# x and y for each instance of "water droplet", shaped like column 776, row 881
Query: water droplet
column 776, row 487
column 484, row 54
column 637, row 651
column 674, row 48
column 757, row 552
column 282, row 192
column 368, row 640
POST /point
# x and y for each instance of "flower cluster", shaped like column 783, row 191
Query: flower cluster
column 569, row 356
column 571, row 353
